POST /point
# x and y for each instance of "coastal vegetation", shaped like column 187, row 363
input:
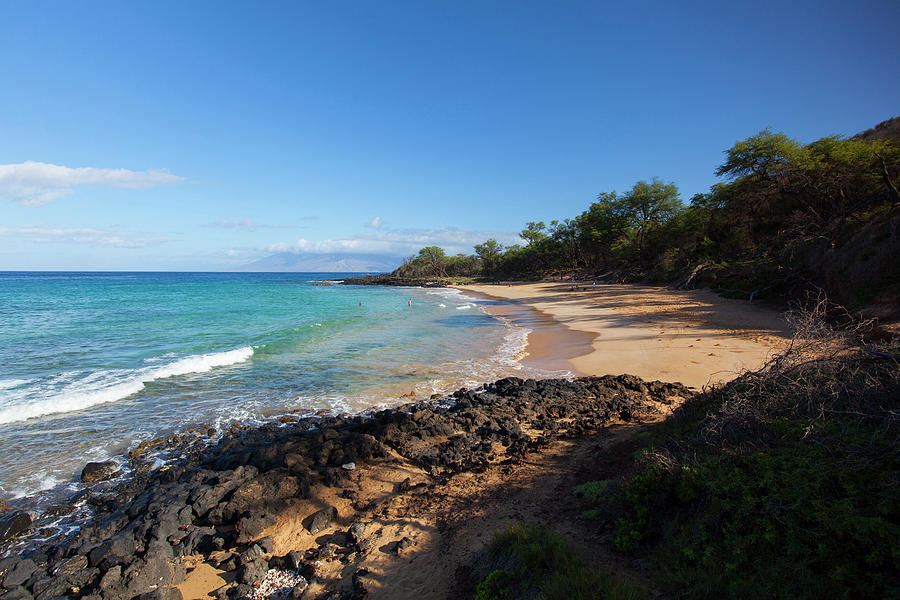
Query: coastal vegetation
column 786, row 218
column 530, row 561
column 781, row 483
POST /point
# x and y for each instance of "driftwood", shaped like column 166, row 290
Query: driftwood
column 687, row 284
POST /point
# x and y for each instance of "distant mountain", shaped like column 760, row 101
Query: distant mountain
column 323, row 263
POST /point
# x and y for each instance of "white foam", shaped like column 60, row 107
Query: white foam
column 35, row 484
column 451, row 294
column 8, row 384
column 156, row 359
column 465, row 307
column 513, row 347
column 108, row 386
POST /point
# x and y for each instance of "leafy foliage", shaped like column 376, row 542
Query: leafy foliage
column 782, row 483
column 787, row 218
column 531, row 562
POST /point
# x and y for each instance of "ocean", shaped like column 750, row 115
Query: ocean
column 93, row 363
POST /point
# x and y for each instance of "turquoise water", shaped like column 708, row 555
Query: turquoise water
column 93, row 363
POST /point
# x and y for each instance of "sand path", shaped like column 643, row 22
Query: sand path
column 693, row 336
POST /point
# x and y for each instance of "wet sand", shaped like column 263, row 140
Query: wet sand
column 691, row 336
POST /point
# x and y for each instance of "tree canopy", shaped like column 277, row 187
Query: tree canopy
column 784, row 213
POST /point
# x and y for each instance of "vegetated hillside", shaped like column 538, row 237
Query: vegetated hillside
column 783, row 483
column 885, row 130
column 786, row 218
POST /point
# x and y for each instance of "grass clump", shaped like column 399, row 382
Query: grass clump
column 784, row 483
column 530, row 562
column 594, row 492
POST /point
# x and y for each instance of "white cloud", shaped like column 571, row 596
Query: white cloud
column 88, row 236
column 34, row 183
column 248, row 225
column 375, row 223
column 399, row 242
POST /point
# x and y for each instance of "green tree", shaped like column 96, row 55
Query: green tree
column 763, row 156
column 602, row 226
column 435, row 259
column 489, row 252
column 835, row 178
column 650, row 204
column 533, row 234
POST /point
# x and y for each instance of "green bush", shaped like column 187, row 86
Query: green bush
column 531, row 562
column 782, row 484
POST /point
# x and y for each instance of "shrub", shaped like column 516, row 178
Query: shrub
column 531, row 562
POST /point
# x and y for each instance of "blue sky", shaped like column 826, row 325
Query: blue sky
column 207, row 135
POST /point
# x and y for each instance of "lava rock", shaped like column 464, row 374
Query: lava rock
column 253, row 572
column 320, row 519
column 251, row 554
column 148, row 574
column 356, row 532
column 267, row 544
column 14, row 524
column 99, row 471
column 19, row 574
column 17, row 593
column 164, row 593
column 249, row 528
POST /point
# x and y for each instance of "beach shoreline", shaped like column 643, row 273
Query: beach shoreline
column 282, row 495
column 689, row 336
column 402, row 471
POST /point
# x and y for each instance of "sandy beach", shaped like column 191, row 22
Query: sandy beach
column 690, row 336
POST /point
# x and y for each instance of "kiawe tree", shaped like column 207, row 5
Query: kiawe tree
column 602, row 225
column 533, row 234
column 764, row 156
column 434, row 258
column 490, row 253
column 649, row 205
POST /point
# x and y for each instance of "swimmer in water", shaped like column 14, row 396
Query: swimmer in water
column 409, row 302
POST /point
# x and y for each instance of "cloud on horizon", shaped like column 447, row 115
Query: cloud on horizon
column 88, row 236
column 35, row 183
column 401, row 242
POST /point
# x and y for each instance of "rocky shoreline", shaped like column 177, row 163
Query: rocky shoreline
column 393, row 280
column 223, row 504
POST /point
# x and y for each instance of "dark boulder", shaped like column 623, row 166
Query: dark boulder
column 111, row 580
column 320, row 519
column 117, row 551
column 19, row 574
column 254, row 552
column 267, row 544
column 73, row 569
column 13, row 524
column 293, row 560
column 99, row 471
column 356, row 532
column 17, row 593
column 253, row 572
column 250, row 528
column 147, row 574
column 163, row 593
